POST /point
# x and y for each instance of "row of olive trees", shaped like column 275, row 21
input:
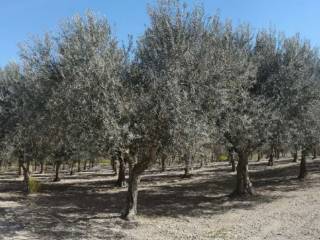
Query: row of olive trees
column 190, row 81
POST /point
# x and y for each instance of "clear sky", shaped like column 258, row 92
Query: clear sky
column 19, row 19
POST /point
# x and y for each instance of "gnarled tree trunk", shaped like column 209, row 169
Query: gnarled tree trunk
column 134, row 178
column 243, row 183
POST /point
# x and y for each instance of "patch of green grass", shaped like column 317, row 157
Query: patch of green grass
column 223, row 157
column 34, row 185
column 105, row 162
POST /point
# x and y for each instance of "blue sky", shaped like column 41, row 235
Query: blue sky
column 19, row 19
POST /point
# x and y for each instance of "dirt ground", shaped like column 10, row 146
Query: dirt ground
column 87, row 206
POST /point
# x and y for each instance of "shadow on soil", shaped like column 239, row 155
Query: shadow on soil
column 80, row 210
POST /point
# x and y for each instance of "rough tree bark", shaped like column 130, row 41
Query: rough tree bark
column 138, row 168
column 243, row 183
column 303, row 167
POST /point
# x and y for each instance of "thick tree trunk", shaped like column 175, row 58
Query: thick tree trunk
column 132, row 196
column 121, row 182
column 243, row 183
column 56, row 178
column 134, row 179
column 303, row 166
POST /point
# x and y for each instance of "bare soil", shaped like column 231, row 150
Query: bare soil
column 88, row 206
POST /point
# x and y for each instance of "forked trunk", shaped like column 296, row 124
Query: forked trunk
column 243, row 183
column 303, row 166
column 121, row 182
column 134, row 178
column 56, row 178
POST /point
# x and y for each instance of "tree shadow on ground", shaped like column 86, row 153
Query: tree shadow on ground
column 91, row 209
